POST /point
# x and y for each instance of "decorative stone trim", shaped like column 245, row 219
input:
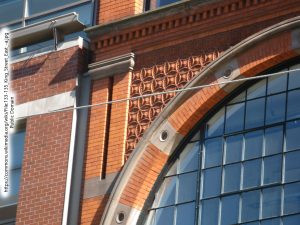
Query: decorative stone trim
column 112, row 66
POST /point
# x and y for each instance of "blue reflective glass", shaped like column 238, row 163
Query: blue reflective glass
column 250, row 206
column 17, row 149
column 291, row 220
column 292, row 135
column 232, row 176
column 252, row 172
column 293, row 106
column 166, row 194
column 14, row 182
column 189, row 158
column 277, row 84
column 275, row 221
column 240, row 98
column 252, row 223
column 35, row 6
column 253, row 144
column 164, row 216
column 234, row 148
column 211, row 182
column 257, row 90
column 234, row 118
column 165, row 2
column 209, row 214
column 272, row 169
column 255, row 113
column 213, row 152
column 185, row 214
column 275, row 111
column 273, row 140
column 291, row 198
column 294, row 77
column 271, row 202
column 9, row 6
column 215, row 126
column 187, row 187
column 230, row 210
column 292, row 166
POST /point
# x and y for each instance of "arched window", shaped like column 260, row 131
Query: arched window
column 243, row 166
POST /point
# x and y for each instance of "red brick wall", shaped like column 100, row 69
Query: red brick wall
column 110, row 10
column 44, row 170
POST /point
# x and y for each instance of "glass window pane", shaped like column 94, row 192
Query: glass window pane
column 291, row 198
column 211, row 182
column 292, row 135
column 189, row 158
column 275, row 111
column 273, row 140
column 232, row 175
column 35, row 6
column 253, row 144
column 255, row 113
column 166, row 193
column 291, row 220
column 215, row 126
column 235, row 117
column 252, row 172
column 14, row 181
column 230, row 210
column 173, row 169
column 164, row 216
column 293, row 107
column 165, row 2
column 187, row 187
column 294, row 77
column 272, row 169
column 252, row 223
column 186, row 214
column 292, row 166
column 240, row 98
column 9, row 6
column 277, row 84
column 17, row 147
column 250, row 206
column 234, row 148
column 196, row 137
column 271, row 202
column 275, row 221
column 213, row 152
column 257, row 90
column 209, row 214
column 150, row 218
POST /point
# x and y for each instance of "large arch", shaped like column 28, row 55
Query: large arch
column 257, row 53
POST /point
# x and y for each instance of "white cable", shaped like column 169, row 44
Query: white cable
column 167, row 92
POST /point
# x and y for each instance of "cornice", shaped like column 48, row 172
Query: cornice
column 187, row 13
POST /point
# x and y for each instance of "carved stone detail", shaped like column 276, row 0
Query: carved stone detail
column 159, row 78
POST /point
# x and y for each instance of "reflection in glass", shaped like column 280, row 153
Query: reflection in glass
column 291, row 220
column 164, row 216
column 292, row 166
column 17, row 146
column 187, row 187
column 185, row 214
column 209, row 214
column 252, row 172
column 250, row 206
column 34, row 6
column 215, row 126
column 272, row 169
column 271, row 202
column 211, row 182
column 235, row 117
column 273, row 140
column 294, row 77
column 293, row 106
column 255, row 113
column 213, row 152
column 277, row 84
column 232, row 174
column 292, row 135
column 234, row 147
column 257, row 90
column 240, row 98
column 275, row 111
column 253, row 144
column 230, row 210
column 275, row 221
column 166, row 194
column 291, row 198
column 14, row 181
column 189, row 158
column 9, row 6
